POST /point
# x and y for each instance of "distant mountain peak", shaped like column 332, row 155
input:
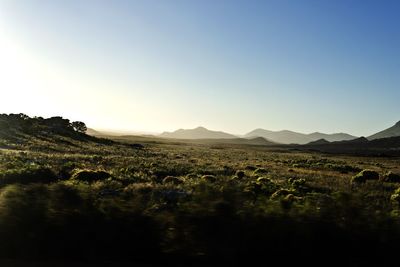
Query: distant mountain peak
column 200, row 128
column 397, row 124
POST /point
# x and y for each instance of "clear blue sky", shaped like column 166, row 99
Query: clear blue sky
column 329, row 66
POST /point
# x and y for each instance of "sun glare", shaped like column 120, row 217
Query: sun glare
column 17, row 83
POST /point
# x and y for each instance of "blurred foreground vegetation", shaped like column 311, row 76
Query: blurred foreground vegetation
column 68, row 196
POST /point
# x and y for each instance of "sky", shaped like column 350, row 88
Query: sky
column 160, row 65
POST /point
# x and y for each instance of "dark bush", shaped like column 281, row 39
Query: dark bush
column 365, row 175
column 263, row 180
column 66, row 170
column 137, row 146
column 250, row 168
column 89, row 175
column 240, row 174
column 343, row 168
column 29, row 174
column 260, row 171
column 172, row 180
column 209, row 178
column 391, row 177
column 281, row 193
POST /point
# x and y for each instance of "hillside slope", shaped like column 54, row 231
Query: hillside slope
column 360, row 146
column 390, row 132
column 51, row 135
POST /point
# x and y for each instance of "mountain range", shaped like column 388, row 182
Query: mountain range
column 282, row 137
column 277, row 137
column 290, row 137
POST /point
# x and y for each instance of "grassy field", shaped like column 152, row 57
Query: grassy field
column 181, row 203
column 66, row 197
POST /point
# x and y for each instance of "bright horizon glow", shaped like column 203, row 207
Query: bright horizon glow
column 230, row 66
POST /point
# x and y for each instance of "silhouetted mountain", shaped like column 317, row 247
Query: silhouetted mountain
column 360, row 140
column 390, row 132
column 319, row 142
column 283, row 137
column 360, row 146
column 332, row 137
column 197, row 133
column 290, row 137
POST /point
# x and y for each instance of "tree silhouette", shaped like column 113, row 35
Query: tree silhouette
column 79, row 126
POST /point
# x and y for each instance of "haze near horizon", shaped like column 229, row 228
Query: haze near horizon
column 232, row 66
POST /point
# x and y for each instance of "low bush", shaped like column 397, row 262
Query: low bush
column 391, row 177
column 90, row 175
column 281, row 193
column 240, row 174
column 364, row 176
column 260, row 171
column 172, row 180
column 209, row 178
column 29, row 174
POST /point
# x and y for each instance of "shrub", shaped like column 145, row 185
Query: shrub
column 364, row 176
column 250, row 168
column 292, row 198
column 172, row 180
column 240, row 174
column 67, row 169
column 264, row 180
column 106, row 184
column 191, row 176
column 288, row 200
column 281, row 193
column 391, row 177
column 297, row 182
column 344, row 168
column 137, row 146
column 30, row 174
column 209, row 178
column 89, row 175
column 253, row 188
column 260, row 171
column 395, row 198
column 64, row 197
